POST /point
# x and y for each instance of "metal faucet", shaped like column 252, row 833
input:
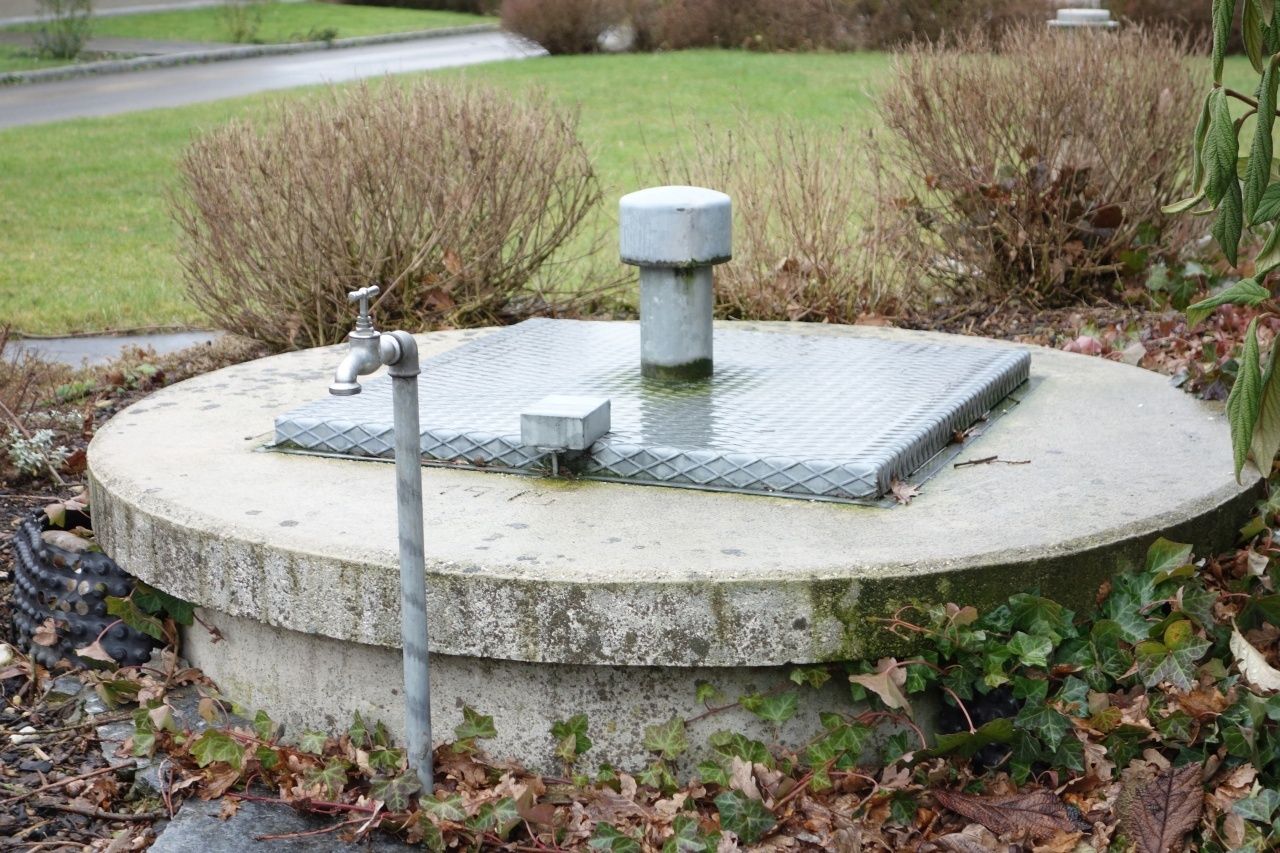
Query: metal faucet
column 364, row 356
column 369, row 350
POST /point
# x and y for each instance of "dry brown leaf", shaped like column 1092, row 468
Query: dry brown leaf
column 886, row 683
column 1038, row 814
column 903, row 492
column 1253, row 665
column 46, row 634
column 1166, row 809
column 230, row 805
column 974, row 838
column 95, row 651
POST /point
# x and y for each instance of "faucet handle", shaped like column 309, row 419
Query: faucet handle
column 363, row 295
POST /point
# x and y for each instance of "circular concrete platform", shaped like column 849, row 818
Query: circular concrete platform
column 549, row 598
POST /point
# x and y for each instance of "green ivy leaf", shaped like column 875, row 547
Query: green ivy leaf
column 358, row 732
column 774, row 708
column 730, row 744
column 814, row 676
column 126, row 610
column 706, row 691
column 450, row 808
column 607, row 837
column 216, row 745
column 713, row 773
column 1027, row 750
column 144, row 743
column 1164, row 556
column 667, row 739
column 313, row 742
column 1172, row 661
column 498, row 817
column 657, row 775
column 1031, row 650
column 152, row 600
column 269, row 758
column 1105, row 638
column 571, row 738
column 1244, row 402
column 388, row 760
column 687, row 837
column 474, row 725
column 1038, row 615
column 263, row 727
column 744, row 817
column 966, row 745
column 396, row 791
column 332, row 777
column 1261, row 807
column 432, row 837
column 1046, row 723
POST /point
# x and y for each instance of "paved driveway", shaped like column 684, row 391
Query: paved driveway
column 108, row 94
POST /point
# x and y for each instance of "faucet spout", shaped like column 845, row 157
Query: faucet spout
column 362, row 359
column 364, row 355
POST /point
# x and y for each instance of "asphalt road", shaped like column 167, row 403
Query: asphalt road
column 108, row 94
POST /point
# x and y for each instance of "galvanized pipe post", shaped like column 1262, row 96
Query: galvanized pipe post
column 368, row 350
column 675, row 235
column 399, row 352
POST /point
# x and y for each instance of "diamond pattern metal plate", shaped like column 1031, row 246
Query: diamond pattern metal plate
column 812, row 416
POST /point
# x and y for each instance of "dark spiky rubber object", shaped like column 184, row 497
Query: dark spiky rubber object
column 71, row 588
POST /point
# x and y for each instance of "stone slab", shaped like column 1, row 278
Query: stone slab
column 587, row 573
column 197, row 827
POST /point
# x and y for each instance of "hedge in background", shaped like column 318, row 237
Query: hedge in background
column 447, row 196
column 1027, row 172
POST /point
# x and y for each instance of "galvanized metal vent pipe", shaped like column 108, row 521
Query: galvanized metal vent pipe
column 675, row 235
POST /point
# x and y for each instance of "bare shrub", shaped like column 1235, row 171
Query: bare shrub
column 1027, row 171
column 562, row 26
column 882, row 24
column 800, row 197
column 32, row 423
column 750, row 24
column 449, row 197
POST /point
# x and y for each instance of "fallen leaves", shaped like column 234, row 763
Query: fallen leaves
column 1165, row 809
column 1253, row 666
column 1038, row 815
column 903, row 492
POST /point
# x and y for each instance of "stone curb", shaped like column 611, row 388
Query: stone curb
column 115, row 66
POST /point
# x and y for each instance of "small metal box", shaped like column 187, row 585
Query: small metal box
column 562, row 422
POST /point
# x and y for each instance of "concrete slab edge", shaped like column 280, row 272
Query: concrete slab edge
column 142, row 63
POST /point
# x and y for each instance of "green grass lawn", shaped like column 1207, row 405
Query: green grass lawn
column 85, row 237
column 87, row 244
column 281, row 22
column 16, row 58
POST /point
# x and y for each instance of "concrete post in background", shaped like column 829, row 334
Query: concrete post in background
column 675, row 235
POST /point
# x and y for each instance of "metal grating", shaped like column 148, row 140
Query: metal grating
column 815, row 416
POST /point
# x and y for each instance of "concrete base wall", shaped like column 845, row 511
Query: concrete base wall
column 313, row 682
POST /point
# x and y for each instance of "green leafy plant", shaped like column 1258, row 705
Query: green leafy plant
column 242, row 18
column 1242, row 193
column 63, row 28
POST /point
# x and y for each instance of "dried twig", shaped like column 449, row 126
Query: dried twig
column 54, row 785
column 99, row 814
